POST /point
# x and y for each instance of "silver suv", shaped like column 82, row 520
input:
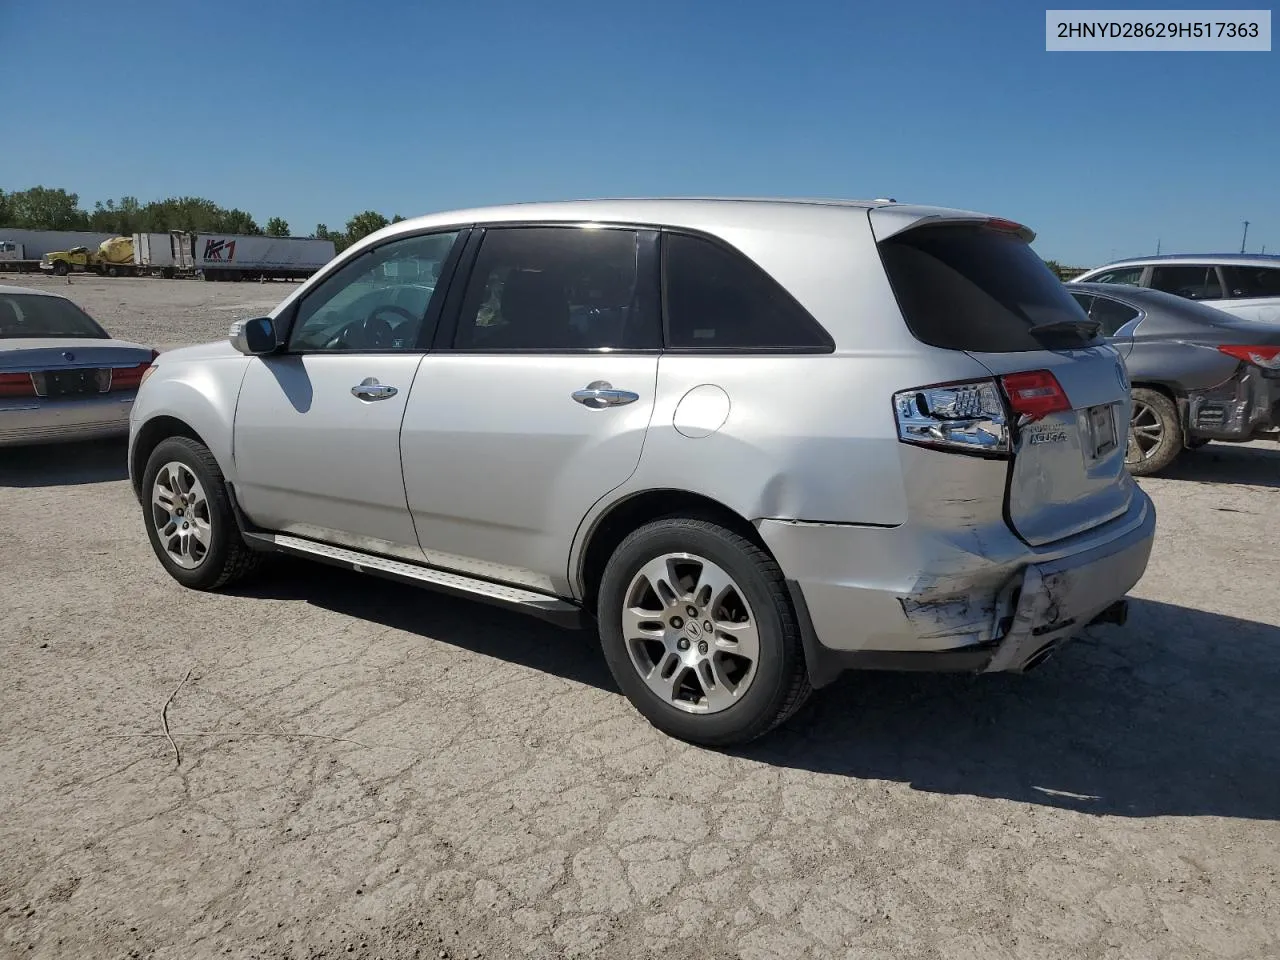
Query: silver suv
column 756, row 442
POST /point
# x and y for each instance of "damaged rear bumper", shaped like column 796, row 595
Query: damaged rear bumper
column 1046, row 597
column 1245, row 407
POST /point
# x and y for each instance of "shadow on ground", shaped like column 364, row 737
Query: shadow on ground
column 1175, row 714
column 64, row 464
column 1227, row 463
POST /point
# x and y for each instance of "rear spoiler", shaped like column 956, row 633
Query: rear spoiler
column 892, row 219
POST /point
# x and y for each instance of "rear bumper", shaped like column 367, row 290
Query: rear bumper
column 1016, row 611
column 1245, row 407
column 31, row 420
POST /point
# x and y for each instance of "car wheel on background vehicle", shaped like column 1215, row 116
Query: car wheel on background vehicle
column 189, row 519
column 699, row 632
column 59, row 269
column 1155, row 433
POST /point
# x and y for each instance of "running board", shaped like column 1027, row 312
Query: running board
column 552, row 609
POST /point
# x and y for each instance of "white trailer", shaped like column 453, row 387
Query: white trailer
column 164, row 254
column 37, row 243
column 220, row 256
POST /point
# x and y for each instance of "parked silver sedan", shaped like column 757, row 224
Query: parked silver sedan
column 62, row 377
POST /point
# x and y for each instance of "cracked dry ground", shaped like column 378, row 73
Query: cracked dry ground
column 368, row 770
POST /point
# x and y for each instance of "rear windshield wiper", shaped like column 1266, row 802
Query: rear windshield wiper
column 1086, row 328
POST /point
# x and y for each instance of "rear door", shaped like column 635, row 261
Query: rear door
column 536, row 403
column 980, row 288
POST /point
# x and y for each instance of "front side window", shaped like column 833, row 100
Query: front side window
column 1193, row 283
column 557, row 288
column 1111, row 314
column 1125, row 276
column 1246, row 282
column 717, row 299
column 375, row 302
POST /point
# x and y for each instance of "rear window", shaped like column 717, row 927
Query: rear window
column 25, row 315
column 1246, row 282
column 967, row 287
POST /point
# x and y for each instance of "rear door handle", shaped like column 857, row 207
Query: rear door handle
column 600, row 394
column 370, row 389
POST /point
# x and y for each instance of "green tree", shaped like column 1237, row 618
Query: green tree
column 46, row 208
column 1056, row 267
column 4, row 208
column 363, row 224
column 277, row 227
column 397, row 219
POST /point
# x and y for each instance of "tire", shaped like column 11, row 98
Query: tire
column 219, row 558
column 59, row 269
column 768, row 690
column 113, row 271
column 1155, row 420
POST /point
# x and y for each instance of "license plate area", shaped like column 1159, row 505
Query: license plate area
column 1101, row 425
column 67, row 383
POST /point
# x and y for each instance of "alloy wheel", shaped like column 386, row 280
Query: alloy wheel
column 690, row 633
column 180, row 514
column 1146, row 433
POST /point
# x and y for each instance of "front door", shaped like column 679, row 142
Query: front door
column 538, row 402
column 317, row 431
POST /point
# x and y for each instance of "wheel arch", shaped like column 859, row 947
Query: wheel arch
column 149, row 436
column 633, row 511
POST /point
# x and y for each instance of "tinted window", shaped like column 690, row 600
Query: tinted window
column 377, row 301
column 718, row 299
column 1111, row 314
column 1194, row 283
column 557, row 288
column 22, row 315
column 1245, row 282
column 972, row 288
column 1128, row 276
column 1085, row 301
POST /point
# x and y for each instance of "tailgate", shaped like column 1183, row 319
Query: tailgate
column 1068, row 472
column 975, row 285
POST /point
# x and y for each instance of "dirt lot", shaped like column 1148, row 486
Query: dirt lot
column 372, row 771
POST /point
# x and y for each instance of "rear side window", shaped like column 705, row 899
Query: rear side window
column 717, row 299
column 1111, row 314
column 967, row 287
column 1193, row 283
column 558, row 289
column 1245, row 282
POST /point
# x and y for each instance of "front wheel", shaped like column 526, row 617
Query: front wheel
column 699, row 632
column 59, row 269
column 189, row 519
column 1155, row 433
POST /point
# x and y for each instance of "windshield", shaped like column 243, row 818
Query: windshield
column 25, row 315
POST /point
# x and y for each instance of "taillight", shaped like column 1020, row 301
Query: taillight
column 966, row 416
column 1035, row 394
column 1266, row 357
column 17, row 385
column 130, row 378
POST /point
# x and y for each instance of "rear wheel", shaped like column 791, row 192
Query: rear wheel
column 113, row 271
column 189, row 519
column 1155, row 433
column 699, row 632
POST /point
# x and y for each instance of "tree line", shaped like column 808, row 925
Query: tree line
column 53, row 208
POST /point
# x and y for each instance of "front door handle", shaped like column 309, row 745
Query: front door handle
column 370, row 389
column 600, row 394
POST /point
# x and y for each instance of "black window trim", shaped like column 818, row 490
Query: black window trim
column 646, row 271
column 827, row 347
column 435, row 306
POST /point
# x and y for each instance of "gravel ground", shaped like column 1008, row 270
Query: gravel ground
column 372, row 771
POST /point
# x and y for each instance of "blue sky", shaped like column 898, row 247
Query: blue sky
column 315, row 111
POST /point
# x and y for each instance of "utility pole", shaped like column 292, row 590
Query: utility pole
column 1246, row 234
column 1157, row 246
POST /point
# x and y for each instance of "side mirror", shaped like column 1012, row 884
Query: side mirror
column 254, row 337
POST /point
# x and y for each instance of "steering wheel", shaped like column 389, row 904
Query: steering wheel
column 375, row 331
